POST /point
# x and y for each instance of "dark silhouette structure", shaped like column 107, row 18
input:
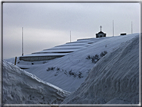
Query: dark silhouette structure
column 100, row 34
column 123, row 34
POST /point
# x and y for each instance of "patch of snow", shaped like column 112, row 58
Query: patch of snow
column 21, row 87
column 46, row 54
column 71, row 46
column 11, row 60
column 52, row 51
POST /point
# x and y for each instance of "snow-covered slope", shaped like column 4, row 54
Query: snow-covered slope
column 113, row 80
column 59, row 51
column 21, row 87
column 70, row 71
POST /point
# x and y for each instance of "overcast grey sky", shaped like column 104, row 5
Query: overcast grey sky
column 46, row 25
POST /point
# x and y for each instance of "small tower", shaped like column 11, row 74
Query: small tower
column 100, row 34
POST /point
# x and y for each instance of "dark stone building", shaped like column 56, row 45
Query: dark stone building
column 100, row 34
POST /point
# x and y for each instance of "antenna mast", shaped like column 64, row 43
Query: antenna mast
column 131, row 27
column 70, row 36
column 22, row 42
column 113, row 27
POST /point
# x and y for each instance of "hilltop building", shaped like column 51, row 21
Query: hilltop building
column 100, row 34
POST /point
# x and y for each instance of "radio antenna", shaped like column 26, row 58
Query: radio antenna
column 70, row 36
column 131, row 27
column 113, row 27
column 22, row 42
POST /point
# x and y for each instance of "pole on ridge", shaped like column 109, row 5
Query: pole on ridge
column 131, row 27
column 113, row 27
column 22, row 42
column 70, row 36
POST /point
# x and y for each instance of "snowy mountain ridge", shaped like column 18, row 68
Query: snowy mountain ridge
column 65, row 71
column 104, row 72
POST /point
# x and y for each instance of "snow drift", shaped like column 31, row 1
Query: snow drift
column 113, row 80
column 21, row 87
